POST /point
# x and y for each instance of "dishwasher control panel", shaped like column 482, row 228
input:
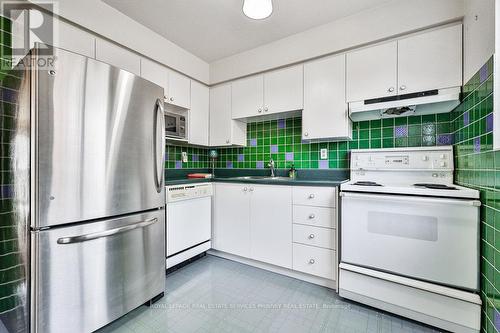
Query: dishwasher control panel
column 188, row 191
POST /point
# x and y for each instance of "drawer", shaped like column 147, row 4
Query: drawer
column 314, row 260
column 316, row 216
column 314, row 196
column 314, row 236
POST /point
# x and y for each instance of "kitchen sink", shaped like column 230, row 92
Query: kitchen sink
column 262, row 178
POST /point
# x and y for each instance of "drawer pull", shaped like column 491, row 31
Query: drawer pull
column 311, row 196
column 312, row 261
column 312, row 216
column 311, row 236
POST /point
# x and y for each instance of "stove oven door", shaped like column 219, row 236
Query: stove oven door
column 428, row 238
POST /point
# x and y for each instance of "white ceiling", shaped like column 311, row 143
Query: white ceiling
column 215, row 29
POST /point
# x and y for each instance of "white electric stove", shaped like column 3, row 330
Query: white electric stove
column 410, row 237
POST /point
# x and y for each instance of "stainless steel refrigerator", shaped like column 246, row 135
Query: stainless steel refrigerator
column 86, row 156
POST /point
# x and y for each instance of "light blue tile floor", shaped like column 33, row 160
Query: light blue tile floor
column 218, row 295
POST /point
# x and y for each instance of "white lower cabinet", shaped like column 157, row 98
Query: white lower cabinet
column 314, row 261
column 271, row 224
column 231, row 226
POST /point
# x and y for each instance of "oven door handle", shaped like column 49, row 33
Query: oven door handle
column 415, row 199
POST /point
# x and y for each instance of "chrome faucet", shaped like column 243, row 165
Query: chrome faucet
column 271, row 165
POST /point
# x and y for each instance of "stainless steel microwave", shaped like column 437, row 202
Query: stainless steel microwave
column 175, row 125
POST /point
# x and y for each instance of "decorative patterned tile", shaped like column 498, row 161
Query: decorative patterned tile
column 253, row 142
column 260, row 165
column 445, row 139
column 241, row 157
column 401, row 131
column 281, row 123
column 289, row 157
column 323, row 164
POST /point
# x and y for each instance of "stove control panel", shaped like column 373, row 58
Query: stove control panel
column 403, row 159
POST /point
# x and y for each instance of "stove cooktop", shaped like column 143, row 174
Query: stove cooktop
column 435, row 186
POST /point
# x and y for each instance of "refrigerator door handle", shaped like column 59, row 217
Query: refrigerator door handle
column 107, row 233
column 158, row 177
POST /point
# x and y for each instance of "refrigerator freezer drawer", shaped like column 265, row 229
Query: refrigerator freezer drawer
column 86, row 276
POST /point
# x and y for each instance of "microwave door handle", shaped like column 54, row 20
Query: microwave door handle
column 158, row 139
column 107, row 233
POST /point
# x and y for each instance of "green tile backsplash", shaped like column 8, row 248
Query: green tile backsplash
column 478, row 166
column 12, row 264
column 282, row 140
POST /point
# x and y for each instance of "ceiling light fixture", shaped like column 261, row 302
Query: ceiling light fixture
column 258, row 9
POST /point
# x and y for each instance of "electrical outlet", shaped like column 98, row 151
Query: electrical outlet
column 324, row 154
column 184, row 157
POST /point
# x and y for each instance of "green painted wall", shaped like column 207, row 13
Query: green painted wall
column 478, row 166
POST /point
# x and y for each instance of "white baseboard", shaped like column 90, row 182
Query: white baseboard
column 276, row 269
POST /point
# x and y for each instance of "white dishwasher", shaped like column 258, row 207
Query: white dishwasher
column 189, row 221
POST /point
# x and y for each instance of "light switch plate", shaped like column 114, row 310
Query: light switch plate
column 324, row 153
column 184, row 157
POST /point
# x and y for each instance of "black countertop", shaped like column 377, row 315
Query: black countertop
column 329, row 178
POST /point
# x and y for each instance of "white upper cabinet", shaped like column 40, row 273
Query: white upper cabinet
column 118, row 56
column 325, row 113
column 224, row 131
column 372, row 72
column 431, row 60
column 248, row 97
column 179, row 90
column 75, row 40
column 199, row 114
column 284, row 90
column 274, row 92
column 155, row 73
column 425, row 61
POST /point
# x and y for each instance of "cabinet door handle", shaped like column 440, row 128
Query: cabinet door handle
column 306, row 134
column 227, row 141
column 312, row 261
column 402, row 87
column 171, row 99
column 311, row 236
column 266, row 109
column 245, row 189
column 311, row 196
column 391, row 89
column 259, row 110
column 251, row 189
column 312, row 216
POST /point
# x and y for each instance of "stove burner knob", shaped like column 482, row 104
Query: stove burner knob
column 442, row 164
column 443, row 156
column 425, row 158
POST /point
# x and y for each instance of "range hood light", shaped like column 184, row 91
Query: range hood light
column 258, row 9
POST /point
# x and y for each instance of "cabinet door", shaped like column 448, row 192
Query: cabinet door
column 75, row 40
column 156, row 73
column 199, row 114
column 372, row 72
column 431, row 60
column 248, row 97
column 231, row 228
column 220, row 115
column 284, row 90
column 271, row 224
column 117, row 56
column 325, row 110
column 179, row 90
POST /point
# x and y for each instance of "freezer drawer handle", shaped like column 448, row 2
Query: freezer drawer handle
column 107, row 233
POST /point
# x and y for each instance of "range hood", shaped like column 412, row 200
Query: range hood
column 425, row 102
